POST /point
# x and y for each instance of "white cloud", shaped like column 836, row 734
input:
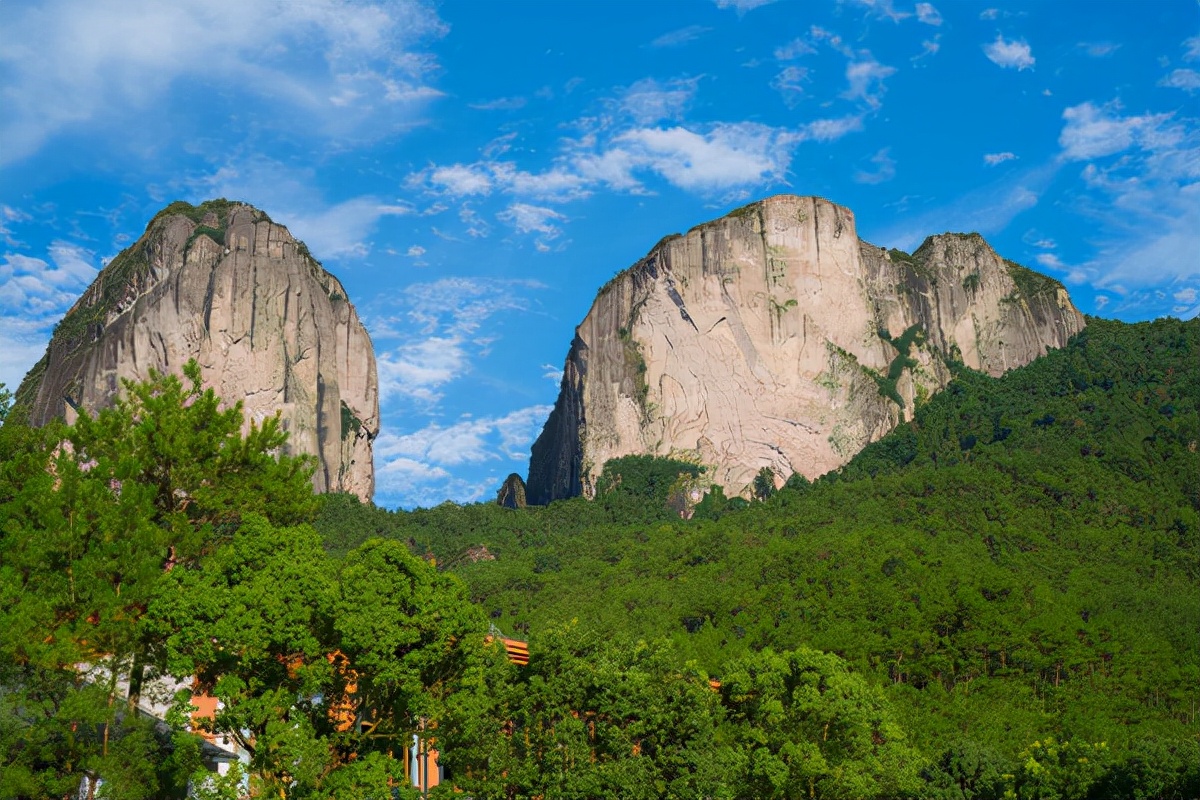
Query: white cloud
column 1099, row 49
column 988, row 209
column 461, row 180
column 885, row 169
column 340, row 68
column 36, row 288
column 438, row 326
column 992, row 159
column 648, row 101
column 884, row 9
column 793, row 50
column 412, row 466
column 1051, row 262
column 1185, row 303
column 418, row 369
column 929, row 47
column 680, row 36
column 1142, row 187
column 866, row 77
column 728, row 156
column 484, row 177
column 34, row 295
column 416, row 251
column 742, row 6
column 9, row 215
column 526, row 218
column 477, row 227
column 1095, row 131
column 790, row 83
column 989, row 13
column 828, row 130
column 331, row 231
column 1192, row 44
column 501, row 104
column 1015, row 54
column 1186, row 79
column 928, row 14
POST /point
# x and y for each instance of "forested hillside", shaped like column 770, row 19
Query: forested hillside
column 1000, row 599
column 1018, row 568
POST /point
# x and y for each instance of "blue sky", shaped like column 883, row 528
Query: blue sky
column 473, row 172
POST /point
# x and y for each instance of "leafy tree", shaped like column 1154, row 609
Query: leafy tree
column 1053, row 769
column 811, row 728
column 92, row 517
column 764, row 483
column 591, row 718
column 324, row 671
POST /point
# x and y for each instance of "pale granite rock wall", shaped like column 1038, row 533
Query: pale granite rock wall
column 268, row 325
column 765, row 339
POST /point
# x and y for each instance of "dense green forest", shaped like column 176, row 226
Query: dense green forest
column 1018, row 565
column 999, row 599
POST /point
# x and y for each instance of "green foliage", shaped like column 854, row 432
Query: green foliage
column 269, row 618
column 1029, row 283
column 903, row 344
column 591, row 718
column 90, row 517
column 351, row 424
column 811, row 728
column 764, row 483
column 1020, row 562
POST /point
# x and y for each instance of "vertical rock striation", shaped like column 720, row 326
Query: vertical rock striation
column 268, row 325
column 773, row 337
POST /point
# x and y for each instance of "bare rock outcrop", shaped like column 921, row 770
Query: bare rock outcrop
column 512, row 492
column 773, row 337
column 223, row 284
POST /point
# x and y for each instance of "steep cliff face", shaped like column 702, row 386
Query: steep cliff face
column 223, row 284
column 773, row 337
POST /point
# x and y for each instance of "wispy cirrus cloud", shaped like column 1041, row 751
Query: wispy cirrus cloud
column 1141, row 176
column 649, row 100
column 343, row 69
column 412, row 467
column 680, row 36
column 742, row 6
column 992, row 159
column 1186, row 79
column 884, row 169
column 430, row 335
column 336, row 230
column 988, row 209
column 1093, row 131
column 34, row 295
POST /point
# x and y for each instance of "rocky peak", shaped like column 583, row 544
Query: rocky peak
column 773, row 338
column 512, row 492
column 222, row 283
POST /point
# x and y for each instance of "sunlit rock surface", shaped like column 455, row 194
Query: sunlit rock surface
column 269, row 326
column 774, row 337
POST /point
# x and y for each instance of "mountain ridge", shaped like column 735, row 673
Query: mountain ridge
column 222, row 283
column 774, row 338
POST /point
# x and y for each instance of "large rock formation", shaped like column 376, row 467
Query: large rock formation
column 773, row 337
column 223, row 284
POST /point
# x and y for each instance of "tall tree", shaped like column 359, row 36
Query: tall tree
column 91, row 518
